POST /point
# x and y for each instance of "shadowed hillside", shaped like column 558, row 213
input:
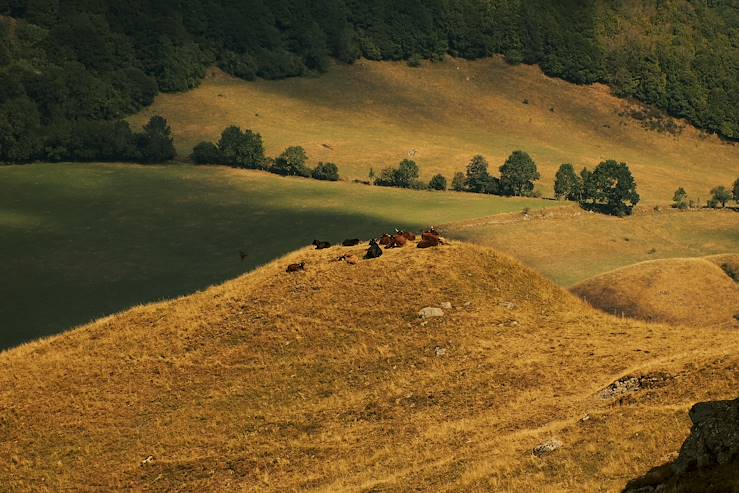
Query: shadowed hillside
column 327, row 380
column 694, row 292
column 372, row 114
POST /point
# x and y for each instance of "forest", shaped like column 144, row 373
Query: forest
column 70, row 70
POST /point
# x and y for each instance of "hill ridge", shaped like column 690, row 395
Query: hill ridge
column 328, row 380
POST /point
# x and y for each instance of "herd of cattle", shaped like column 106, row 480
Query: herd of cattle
column 429, row 238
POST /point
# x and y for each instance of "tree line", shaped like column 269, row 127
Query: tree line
column 245, row 149
column 67, row 62
column 720, row 195
column 610, row 188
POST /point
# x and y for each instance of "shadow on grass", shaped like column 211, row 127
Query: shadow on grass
column 114, row 240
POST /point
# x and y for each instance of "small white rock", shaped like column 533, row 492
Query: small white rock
column 446, row 305
column 440, row 351
column 431, row 311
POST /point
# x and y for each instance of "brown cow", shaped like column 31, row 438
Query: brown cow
column 430, row 238
column 406, row 234
column 385, row 239
column 397, row 241
column 296, row 267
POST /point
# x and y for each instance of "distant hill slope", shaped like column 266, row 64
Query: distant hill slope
column 691, row 291
column 373, row 114
column 327, row 380
column 570, row 246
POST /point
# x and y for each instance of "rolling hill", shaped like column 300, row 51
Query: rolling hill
column 327, row 380
column 689, row 292
column 372, row 114
column 569, row 245
column 94, row 239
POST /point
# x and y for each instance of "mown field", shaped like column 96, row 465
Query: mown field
column 372, row 114
column 83, row 241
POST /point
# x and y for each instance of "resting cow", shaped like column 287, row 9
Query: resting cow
column 374, row 250
column 398, row 241
column 350, row 242
column 296, row 267
column 320, row 245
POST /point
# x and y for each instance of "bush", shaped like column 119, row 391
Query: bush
column 438, row 182
column 566, row 183
column 720, row 195
column 458, row 181
column 326, row 171
column 206, row 153
column 156, row 144
column 478, row 178
column 611, row 187
column 679, row 199
column 415, row 60
column 292, row 162
column 241, row 149
column 518, row 173
column 238, row 64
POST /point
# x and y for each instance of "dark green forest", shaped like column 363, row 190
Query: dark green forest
column 71, row 69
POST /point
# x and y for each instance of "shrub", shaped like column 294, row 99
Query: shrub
column 478, row 178
column 566, row 183
column 518, row 173
column 241, row 149
column 156, row 144
column 679, row 199
column 458, row 181
column 292, row 162
column 438, row 182
column 612, row 186
column 720, row 195
column 326, row 171
column 207, row 153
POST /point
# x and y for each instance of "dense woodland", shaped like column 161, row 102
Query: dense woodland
column 71, row 69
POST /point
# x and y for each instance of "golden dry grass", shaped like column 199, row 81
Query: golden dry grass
column 372, row 113
column 327, row 381
column 571, row 245
column 688, row 292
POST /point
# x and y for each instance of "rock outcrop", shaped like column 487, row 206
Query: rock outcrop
column 709, row 458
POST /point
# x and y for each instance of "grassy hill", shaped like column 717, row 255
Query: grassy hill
column 328, row 381
column 571, row 245
column 371, row 114
column 91, row 240
column 689, row 292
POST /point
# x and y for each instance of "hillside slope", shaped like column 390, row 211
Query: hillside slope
column 328, row 381
column 689, row 291
column 372, row 114
column 570, row 246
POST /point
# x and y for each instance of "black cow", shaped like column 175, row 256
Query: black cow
column 350, row 242
column 374, row 250
column 320, row 245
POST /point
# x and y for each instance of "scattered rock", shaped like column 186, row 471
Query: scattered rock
column 440, row 351
column 446, row 305
column 467, row 303
column 629, row 384
column 547, row 447
column 148, row 460
column 431, row 311
column 507, row 305
column 513, row 323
